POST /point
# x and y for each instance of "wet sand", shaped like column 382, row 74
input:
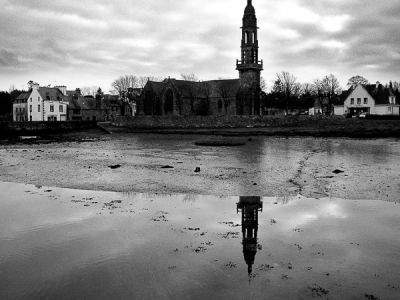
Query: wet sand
column 74, row 244
column 265, row 166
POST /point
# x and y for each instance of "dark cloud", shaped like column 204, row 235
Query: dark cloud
column 94, row 41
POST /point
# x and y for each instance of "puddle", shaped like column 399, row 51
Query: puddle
column 73, row 244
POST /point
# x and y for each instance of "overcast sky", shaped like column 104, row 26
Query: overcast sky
column 92, row 42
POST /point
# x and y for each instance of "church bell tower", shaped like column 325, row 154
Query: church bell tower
column 249, row 67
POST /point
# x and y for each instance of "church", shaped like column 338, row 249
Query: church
column 216, row 97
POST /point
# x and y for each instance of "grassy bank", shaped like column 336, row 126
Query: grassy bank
column 292, row 126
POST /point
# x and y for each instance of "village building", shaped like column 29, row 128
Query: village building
column 41, row 104
column 89, row 108
column 217, row 97
column 20, row 108
column 374, row 99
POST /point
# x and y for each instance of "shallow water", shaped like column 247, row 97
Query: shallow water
column 74, row 244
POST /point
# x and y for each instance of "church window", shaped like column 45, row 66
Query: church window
column 253, row 38
column 246, row 37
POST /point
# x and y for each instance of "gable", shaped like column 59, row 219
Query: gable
column 359, row 92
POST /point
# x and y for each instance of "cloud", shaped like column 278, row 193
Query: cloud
column 91, row 42
column 8, row 59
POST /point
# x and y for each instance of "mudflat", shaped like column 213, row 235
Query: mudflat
column 265, row 166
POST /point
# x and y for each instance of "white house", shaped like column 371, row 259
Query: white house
column 44, row 104
column 374, row 99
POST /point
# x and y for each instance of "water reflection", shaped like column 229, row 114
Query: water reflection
column 249, row 207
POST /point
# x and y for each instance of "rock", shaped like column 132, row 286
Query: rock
column 167, row 167
column 115, row 167
column 197, row 170
column 337, row 171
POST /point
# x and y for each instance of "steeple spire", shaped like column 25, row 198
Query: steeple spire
column 249, row 66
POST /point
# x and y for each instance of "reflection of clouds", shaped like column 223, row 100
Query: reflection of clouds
column 302, row 212
column 333, row 210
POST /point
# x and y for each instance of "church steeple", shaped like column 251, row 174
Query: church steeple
column 249, row 47
column 249, row 66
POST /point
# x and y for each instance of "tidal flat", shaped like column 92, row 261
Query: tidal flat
column 357, row 169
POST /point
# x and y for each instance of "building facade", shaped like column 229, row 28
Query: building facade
column 216, row 97
column 41, row 104
column 374, row 99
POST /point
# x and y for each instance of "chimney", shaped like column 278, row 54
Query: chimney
column 377, row 84
column 35, row 86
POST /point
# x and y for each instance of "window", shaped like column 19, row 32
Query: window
column 365, row 100
column 51, row 108
column 352, row 100
column 358, row 101
column 30, row 108
column 38, row 108
column 31, row 99
column 61, row 108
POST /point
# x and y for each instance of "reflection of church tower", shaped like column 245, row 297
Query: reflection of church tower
column 249, row 207
column 249, row 67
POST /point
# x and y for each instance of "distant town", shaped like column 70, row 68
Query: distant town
column 137, row 96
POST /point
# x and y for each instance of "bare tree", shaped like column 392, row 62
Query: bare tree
column 263, row 85
column 357, row 80
column 189, row 77
column 330, row 87
column 287, row 85
column 306, row 89
column 89, row 90
column 142, row 80
column 122, row 84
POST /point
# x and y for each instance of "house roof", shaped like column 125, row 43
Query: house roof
column 380, row 93
column 24, row 96
column 89, row 103
column 53, row 94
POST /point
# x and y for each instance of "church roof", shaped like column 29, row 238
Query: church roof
column 224, row 88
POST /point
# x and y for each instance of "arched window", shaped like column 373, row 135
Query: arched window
column 169, row 102
column 253, row 37
column 246, row 37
